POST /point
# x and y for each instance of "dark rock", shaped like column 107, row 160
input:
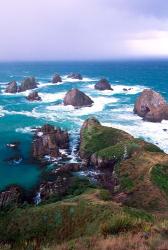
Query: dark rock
column 28, row 83
column 33, row 96
column 165, row 129
column 103, row 84
column 75, row 76
column 9, row 197
column 77, row 98
column 58, row 187
column 47, row 142
column 124, row 89
column 151, row 106
column 56, row 78
column 11, row 87
column 69, row 167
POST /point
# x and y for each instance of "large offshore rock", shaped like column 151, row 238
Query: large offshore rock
column 28, row 83
column 77, row 98
column 151, row 106
column 11, row 87
column 103, row 84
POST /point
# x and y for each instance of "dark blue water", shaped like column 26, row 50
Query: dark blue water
column 17, row 115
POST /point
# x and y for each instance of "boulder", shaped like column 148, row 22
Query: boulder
column 33, row 96
column 75, row 76
column 11, row 87
column 10, row 196
column 77, row 98
column 103, row 84
column 28, row 83
column 56, row 78
column 151, row 106
column 47, row 142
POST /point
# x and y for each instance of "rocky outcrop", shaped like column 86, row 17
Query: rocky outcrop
column 103, row 84
column 56, row 78
column 11, row 87
column 47, row 142
column 151, row 106
column 58, row 188
column 28, row 83
column 77, row 98
column 9, row 197
column 75, row 76
column 33, row 96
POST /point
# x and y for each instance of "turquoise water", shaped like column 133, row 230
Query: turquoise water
column 17, row 115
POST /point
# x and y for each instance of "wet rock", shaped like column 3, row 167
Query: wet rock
column 33, row 96
column 151, row 106
column 10, row 196
column 56, row 78
column 77, row 98
column 11, row 87
column 47, row 142
column 28, row 83
column 103, row 84
column 75, row 76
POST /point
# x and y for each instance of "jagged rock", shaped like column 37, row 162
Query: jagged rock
column 11, row 87
column 28, row 83
column 56, row 78
column 77, row 98
column 10, row 196
column 69, row 167
column 33, row 96
column 103, row 84
column 151, row 106
column 57, row 188
column 47, row 142
column 75, row 76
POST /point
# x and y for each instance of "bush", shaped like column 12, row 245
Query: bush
column 159, row 175
column 119, row 223
column 105, row 195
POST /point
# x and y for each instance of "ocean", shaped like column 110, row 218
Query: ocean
column 112, row 108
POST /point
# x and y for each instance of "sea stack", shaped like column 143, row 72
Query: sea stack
column 75, row 76
column 11, row 87
column 77, row 98
column 56, row 78
column 47, row 142
column 33, row 96
column 28, row 83
column 151, row 106
column 103, row 84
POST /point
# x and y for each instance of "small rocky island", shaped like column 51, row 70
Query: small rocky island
column 56, row 78
column 34, row 96
column 151, row 106
column 103, row 84
column 27, row 84
column 77, row 99
column 75, row 76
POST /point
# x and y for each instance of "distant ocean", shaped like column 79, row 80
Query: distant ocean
column 112, row 108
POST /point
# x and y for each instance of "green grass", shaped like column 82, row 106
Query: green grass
column 105, row 195
column 159, row 176
column 126, row 183
column 97, row 137
column 152, row 148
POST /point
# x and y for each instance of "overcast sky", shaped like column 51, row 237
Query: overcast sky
column 83, row 29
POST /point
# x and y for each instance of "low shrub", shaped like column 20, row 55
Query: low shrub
column 105, row 195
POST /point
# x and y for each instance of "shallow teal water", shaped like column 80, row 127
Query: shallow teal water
column 17, row 115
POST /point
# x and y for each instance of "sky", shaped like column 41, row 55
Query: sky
column 83, row 29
